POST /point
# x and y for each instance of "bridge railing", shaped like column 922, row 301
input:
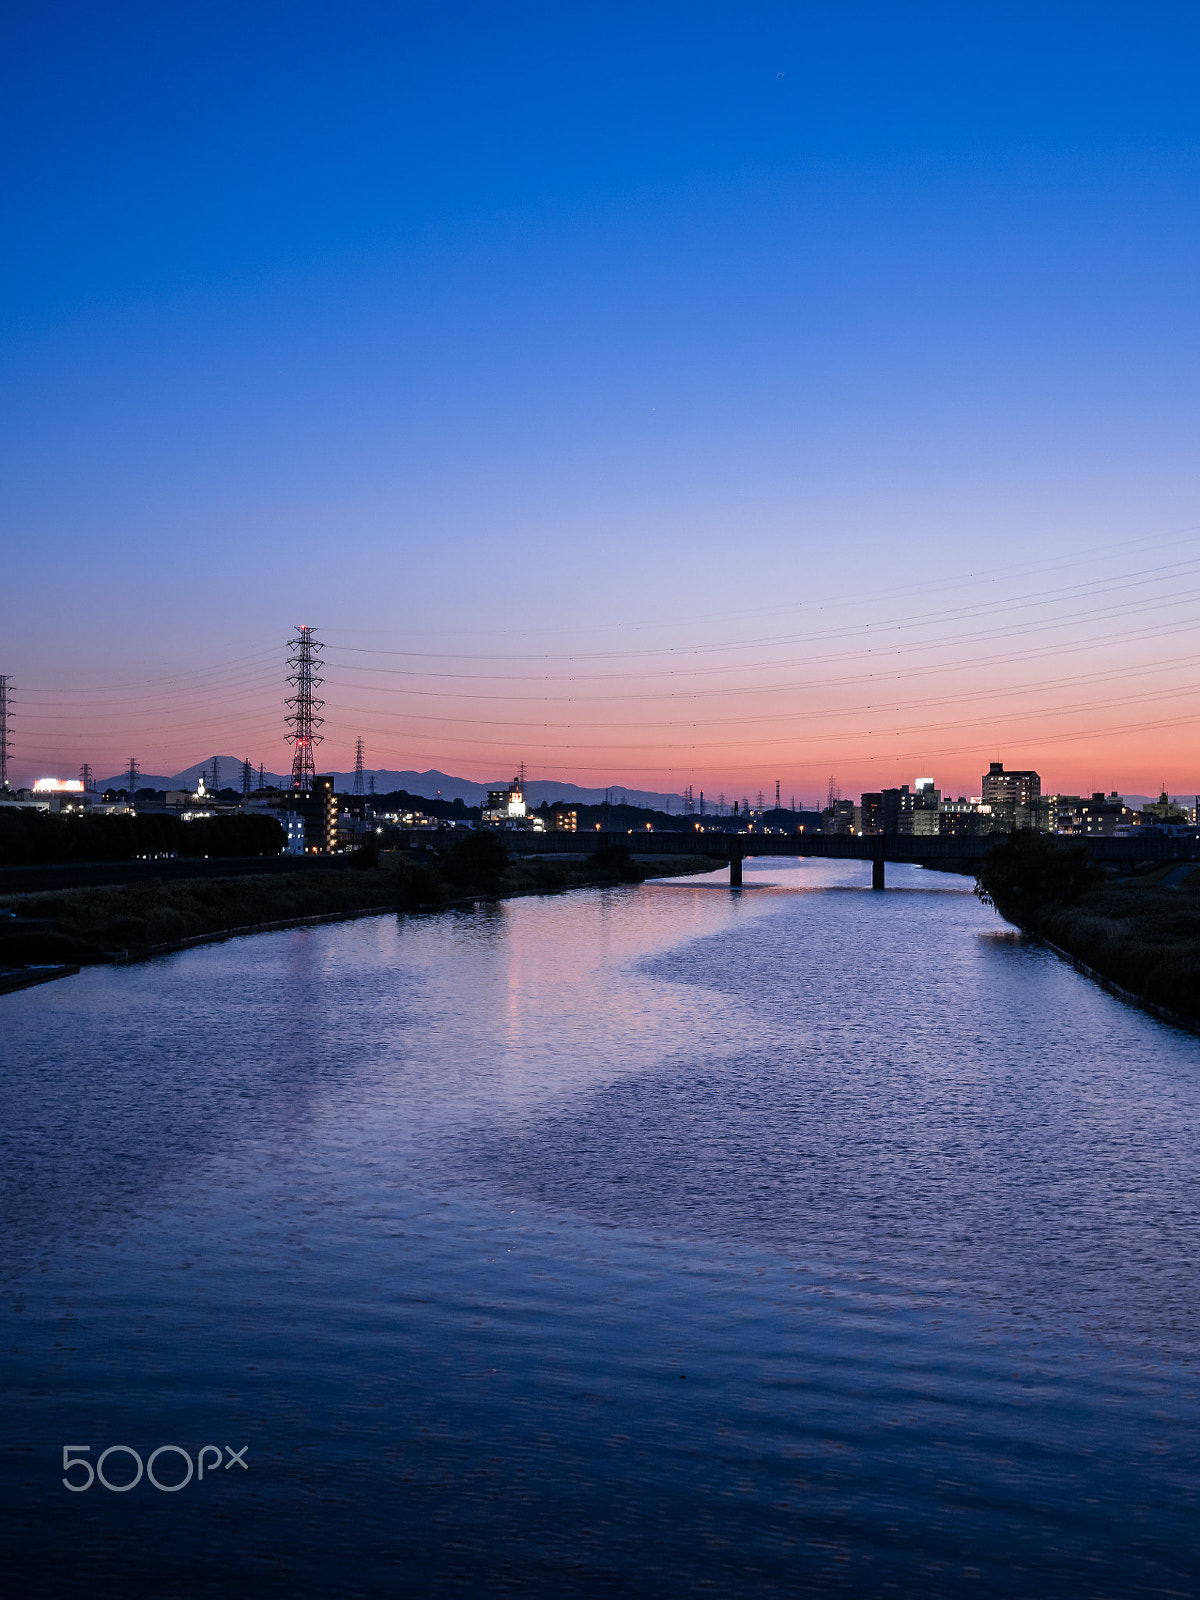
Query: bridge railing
column 1150, row 846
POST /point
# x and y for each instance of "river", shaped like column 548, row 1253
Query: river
column 654, row 1241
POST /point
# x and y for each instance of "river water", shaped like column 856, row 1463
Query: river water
column 657, row 1241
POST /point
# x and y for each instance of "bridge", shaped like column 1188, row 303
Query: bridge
column 877, row 848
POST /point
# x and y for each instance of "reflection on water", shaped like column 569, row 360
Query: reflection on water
column 659, row 1240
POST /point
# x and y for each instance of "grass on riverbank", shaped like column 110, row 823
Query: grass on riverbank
column 1141, row 936
column 81, row 925
column 1135, row 932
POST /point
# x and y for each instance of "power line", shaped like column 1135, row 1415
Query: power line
column 1137, row 578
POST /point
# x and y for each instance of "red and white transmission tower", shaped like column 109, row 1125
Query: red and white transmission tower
column 5, row 745
column 303, row 719
column 359, row 785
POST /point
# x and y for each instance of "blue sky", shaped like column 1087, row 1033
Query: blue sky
column 541, row 329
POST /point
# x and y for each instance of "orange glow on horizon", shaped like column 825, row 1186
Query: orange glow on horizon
column 1090, row 682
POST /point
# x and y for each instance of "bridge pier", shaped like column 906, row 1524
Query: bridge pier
column 877, row 864
column 735, row 863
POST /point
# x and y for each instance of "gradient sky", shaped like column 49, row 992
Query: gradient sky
column 659, row 394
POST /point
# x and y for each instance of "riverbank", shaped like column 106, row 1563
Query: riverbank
column 1139, row 935
column 129, row 922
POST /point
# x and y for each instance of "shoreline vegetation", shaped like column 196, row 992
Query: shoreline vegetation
column 1138, row 934
column 70, row 928
column 41, row 838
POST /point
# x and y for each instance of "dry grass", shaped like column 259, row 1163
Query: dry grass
column 94, row 924
column 1138, row 935
column 90, row 922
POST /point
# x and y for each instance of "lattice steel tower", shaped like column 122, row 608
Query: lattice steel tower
column 303, row 717
column 359, row 786
column 5, row 747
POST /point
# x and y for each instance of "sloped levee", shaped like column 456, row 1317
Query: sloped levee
column 1137, row 934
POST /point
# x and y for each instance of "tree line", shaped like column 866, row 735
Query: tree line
column 37, row 838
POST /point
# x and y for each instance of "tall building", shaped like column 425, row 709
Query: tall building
column 505, row 805
column 1013, row 796
column 842, row 816
column 872, row 813
column 897, row 809
column 318, row 806
column 506, row 808
column 926, row 800
column 1010, row 788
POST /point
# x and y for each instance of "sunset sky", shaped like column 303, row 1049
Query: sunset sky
column 657, row 394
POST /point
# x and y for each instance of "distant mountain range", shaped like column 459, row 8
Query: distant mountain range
column 433, row 783
column 429, row 784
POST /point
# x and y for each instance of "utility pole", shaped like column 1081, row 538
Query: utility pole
column 359, row 785
column 5, row 746
column 304, row 708
column 261, row 784
column 777, row 794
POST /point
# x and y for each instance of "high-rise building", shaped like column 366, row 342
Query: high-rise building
column 897, row 809
column 318, row 806
column 1010, row 788
column 1013, row 797
column 926, row 800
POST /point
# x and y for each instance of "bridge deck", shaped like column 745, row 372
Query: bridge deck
column 878, row 847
